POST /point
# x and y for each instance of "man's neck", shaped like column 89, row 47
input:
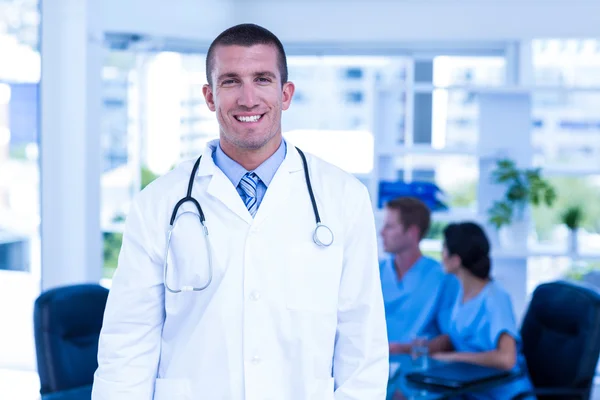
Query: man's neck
column 404, row 261
column 251, row 159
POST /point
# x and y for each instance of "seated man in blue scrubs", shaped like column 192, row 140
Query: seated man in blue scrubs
column 483, row 329
column 418, row 295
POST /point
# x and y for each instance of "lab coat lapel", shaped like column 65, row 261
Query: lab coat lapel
column 220, row 187
column 278, row 192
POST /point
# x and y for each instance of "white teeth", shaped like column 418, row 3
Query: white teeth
column 251, row 118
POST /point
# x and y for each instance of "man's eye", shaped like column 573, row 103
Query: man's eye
column 264, row 80
column 228, row 82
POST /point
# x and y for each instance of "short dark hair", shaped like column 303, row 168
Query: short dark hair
column 469, row 241
column 247, row 35
column 413, row 212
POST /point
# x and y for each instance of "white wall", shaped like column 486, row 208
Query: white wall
column 351, row 21
column 389, row 21
column 195, row 19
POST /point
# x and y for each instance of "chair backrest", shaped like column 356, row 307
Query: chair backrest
column 561, row 335
column 67, row 324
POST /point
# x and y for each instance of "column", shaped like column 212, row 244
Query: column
column 71, row 52
column 519, row 63
column 504, row 131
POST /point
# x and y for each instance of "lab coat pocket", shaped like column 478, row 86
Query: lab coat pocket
column 323, row 389
column 172, row 389
column 313, row 276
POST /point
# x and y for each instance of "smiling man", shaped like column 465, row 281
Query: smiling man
column 249, row 115
column 284, row 301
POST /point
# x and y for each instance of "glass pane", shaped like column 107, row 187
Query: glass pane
column 154, row 117
column 546, row 269
column 332, row 108
column 455, row 111
column 459, row 70
column 456, row 176
column 431, row 245
column 587, row 271
column 349, row 150
column 571, row 62
column 550, row 229
column 20, row 267
column 455, row 120
column 119, row 122
column 566, row 132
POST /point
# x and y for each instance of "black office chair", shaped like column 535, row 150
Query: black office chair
column 67, row 323
column 561, row 340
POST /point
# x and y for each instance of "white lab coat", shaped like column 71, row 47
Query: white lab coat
column 283, row 317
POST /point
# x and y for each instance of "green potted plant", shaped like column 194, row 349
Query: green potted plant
column 524, row 186
column 572, row 216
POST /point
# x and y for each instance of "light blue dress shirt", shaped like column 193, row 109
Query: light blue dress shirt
column 265, row 171
column 476, row 327
column 420, row 303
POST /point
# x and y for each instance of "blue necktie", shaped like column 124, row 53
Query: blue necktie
column 248, row 185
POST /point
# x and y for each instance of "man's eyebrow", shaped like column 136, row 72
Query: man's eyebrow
column 266, row 73
column 235, row 75
column 227, row 75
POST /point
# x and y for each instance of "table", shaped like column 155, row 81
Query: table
column 400, row 389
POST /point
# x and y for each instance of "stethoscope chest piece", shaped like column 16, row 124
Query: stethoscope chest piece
column 323, row 236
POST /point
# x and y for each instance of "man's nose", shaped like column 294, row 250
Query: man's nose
column 248, row 97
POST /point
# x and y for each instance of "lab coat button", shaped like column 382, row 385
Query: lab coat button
column 255, row 360
column 255, row 296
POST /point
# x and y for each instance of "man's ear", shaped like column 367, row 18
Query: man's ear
column 288, row 93
column 415, row 232
column 209, row 97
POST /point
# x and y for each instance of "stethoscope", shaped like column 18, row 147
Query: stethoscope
column 322, row 236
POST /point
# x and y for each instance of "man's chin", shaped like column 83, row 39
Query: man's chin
column 252, row 145
column 248, row 142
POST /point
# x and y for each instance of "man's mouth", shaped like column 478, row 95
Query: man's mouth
column 249, row 118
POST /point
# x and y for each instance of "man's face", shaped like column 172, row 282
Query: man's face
column 247, row 95
column 396, row 238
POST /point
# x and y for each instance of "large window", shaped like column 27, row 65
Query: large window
column 445, row 123
column 332, row 113
column 19, row 181
column 566, row 140
column 334, row 117
column 154, row 117
column 567, row 118
column 566, row 134
column 119, row 139
column 455, row 112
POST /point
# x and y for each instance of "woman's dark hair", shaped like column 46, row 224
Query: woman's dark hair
column 468, row 241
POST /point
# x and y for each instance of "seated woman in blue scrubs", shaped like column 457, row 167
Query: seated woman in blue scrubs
column 482, row 326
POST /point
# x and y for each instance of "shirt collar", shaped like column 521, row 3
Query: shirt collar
column 413, row 277
column 235, row 172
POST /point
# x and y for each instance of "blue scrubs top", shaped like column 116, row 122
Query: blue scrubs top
column 476, row 327
column 420, row 303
